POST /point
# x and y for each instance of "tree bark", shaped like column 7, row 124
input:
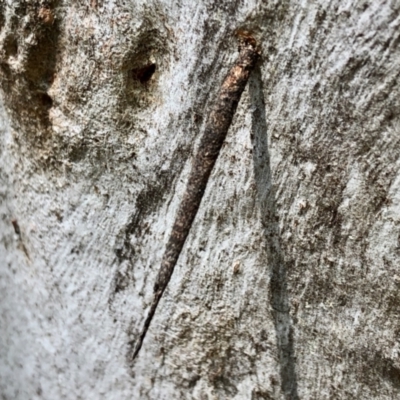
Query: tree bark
column 288, row 283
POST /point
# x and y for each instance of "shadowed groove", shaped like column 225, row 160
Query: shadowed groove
column 278, row 275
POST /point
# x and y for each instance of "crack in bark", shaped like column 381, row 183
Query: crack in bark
column 216, row 130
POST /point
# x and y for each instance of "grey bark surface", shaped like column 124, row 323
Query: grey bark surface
column 288, row 284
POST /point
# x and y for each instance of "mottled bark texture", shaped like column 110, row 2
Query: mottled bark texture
column 288, row 284
column 210, row 145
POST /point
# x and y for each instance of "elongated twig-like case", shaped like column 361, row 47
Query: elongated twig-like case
column 216, row 129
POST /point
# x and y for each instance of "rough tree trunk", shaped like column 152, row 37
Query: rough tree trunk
column 288, row 285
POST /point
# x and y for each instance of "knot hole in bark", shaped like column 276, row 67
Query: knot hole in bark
column 142, row 68
column 144, row 74
column 28, row 67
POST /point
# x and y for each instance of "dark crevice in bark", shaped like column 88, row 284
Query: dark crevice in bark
column 26, row 88
column 279, row 297
column 144, row 74
column 141, row 67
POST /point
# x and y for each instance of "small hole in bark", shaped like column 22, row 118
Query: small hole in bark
column 144, row 74
column 45, row 100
